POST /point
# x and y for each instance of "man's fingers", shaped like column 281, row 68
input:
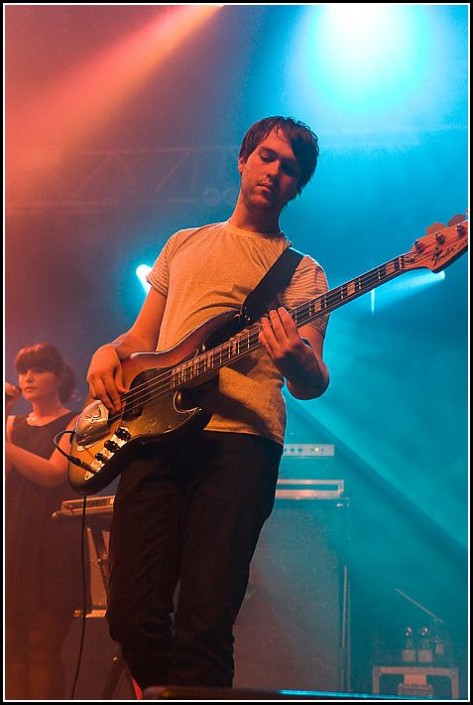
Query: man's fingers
column 107, row 391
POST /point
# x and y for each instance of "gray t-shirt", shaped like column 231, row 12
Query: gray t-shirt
column 210, row 270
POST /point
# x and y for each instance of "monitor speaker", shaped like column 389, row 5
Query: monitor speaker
column 186, row 694
column 293, row 628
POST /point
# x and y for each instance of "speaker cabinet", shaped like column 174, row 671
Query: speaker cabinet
column 293, row 628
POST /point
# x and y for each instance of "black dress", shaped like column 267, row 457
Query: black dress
column 42, row 555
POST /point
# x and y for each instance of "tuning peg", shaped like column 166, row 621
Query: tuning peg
column 434, row 228
column 457, row 219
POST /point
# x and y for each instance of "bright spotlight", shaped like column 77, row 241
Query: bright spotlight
column 142, row 272
column 359, row 34
column 365, row 42
column 365, row 58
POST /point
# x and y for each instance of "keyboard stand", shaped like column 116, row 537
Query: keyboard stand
column 98, row 519
column 118, row 669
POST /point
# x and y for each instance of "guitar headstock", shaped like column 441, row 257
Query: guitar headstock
column 440, row 246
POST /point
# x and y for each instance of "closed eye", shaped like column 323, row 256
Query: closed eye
column 289, row 167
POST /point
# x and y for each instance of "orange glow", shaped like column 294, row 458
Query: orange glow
column 81, row 103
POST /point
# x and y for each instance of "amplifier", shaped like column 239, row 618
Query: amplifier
column 308, row 450
column 311, row 461
column 309, row 489
column 293, row 627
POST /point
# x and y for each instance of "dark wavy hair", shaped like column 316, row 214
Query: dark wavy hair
column 303, row 141
column 44, row 356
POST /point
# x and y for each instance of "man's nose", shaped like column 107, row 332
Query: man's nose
column 273, row 170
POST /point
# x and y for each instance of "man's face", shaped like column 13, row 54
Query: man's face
column 271, row 174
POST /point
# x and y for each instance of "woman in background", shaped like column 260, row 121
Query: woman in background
column 43, row 557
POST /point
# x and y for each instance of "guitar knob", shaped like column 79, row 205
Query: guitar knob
column 111, row 446
column 122, row 433
column 100, row 457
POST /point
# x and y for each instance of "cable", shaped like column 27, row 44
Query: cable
column 71, row 458
column 84, row 599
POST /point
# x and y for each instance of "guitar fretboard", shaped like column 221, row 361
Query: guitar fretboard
column 247, row 340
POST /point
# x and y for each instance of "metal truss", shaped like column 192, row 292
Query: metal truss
column 105, row 179
column 109, row 179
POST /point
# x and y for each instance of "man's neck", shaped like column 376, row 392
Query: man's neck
column 254, row 221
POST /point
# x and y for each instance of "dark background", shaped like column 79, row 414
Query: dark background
column 103, row 163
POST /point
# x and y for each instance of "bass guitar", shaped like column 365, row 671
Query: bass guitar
column 154, row 406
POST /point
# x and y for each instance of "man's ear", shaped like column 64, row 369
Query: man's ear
column 241, row 164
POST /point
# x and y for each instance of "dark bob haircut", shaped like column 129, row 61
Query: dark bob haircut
column 44, row 356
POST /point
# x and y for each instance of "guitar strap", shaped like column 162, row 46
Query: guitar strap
column 275, row 280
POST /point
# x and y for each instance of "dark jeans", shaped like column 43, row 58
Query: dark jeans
column 187, row 515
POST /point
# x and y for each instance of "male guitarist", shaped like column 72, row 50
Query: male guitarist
column 189, row 509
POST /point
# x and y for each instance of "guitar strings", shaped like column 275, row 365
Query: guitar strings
column 221, row 354
column 196, row 366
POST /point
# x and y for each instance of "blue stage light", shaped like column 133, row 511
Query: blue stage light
column 141, row 272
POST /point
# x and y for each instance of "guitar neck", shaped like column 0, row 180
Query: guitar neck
column 247, row 340
column 343, row 294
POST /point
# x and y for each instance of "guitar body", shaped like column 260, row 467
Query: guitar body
column 153, row 410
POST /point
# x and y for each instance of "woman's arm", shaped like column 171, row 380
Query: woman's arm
column 48, row 472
